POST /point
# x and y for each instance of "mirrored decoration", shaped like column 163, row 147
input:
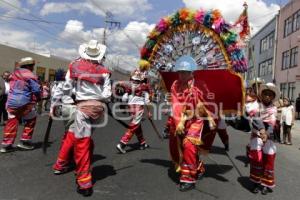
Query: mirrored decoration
column 201, row 46
column 168, row 48
column 196, row 40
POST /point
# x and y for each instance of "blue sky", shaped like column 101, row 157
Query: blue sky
column 59, row 26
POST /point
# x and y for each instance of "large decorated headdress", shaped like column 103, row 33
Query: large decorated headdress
column 213, row 44
column 203, row 35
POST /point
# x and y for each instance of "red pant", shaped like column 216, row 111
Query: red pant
column 82, row 149
column 262, row 161
column 11, row 128
column 66, row 151
column 190, row 166
column 133, row 129
column 135, row 125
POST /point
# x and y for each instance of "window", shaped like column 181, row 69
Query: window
column 270, row 66
column 267, row 42
column 288, row 26
column 261, row 69
column 283, row 90
column 265, row 68
column 296, row 21
column 286, row 60
column 51, row 75
column 291, row 90
column 40, row 72
column 290, row 58
column 294, row 57
column 271, row 39
column 292, row 23
column 263, row 45
column 288, row 90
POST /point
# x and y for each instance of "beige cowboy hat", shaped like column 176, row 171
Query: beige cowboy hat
column 26, row 61
column 92, row 50
column 272, row 87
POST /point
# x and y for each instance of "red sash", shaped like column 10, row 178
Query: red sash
column 88, row 71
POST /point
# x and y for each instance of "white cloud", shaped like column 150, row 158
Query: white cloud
column 22, row 40
column 18, row 38
column 32, row 2
column 11, row 7
column 121, row 62
column 259, row 12
column 131, row 38
column 74, row 31
column 65, row 53
column 122, row 44
column 124, row 8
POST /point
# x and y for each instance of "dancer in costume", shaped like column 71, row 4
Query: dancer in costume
column 188, row 112
column 64, row 112
column 92, row 85
column 138, row 97
column 262, row 148
column 23, row 95
column 252, row 102
column 206, row 41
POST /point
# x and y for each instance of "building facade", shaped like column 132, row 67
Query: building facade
column 261, row 52
column 287, row 74
column 45, row 66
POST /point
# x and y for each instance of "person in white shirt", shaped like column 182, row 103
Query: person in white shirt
column 287, row 120
column 90, row 83
column 137, row 99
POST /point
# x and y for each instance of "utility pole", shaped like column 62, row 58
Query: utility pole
column 110, row 23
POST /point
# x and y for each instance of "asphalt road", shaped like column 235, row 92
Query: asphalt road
column 141, row 174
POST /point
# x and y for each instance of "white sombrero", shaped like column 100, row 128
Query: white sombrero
column 92, row 50
column 26, row 61
column 272, row 87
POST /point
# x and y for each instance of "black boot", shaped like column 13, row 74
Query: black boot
column 6, row 149
column 165, row 133
column 226, row 147
column 25, row 145
column 266, row 190
column 186, row 186
column 121, row 147
column 255, row 189
column 85, row 192
column 144, row 146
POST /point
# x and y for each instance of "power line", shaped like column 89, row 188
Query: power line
column 52, row 35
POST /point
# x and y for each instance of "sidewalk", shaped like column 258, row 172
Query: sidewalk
column 296, row 134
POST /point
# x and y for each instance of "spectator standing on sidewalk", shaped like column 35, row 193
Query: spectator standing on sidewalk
column 46, row 95
column 287, row 120
column 4, row 82
column 277, row 128
column 298, row 105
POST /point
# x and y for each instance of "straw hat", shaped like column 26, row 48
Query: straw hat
column 26, row 61
column 272, row 87
column 92, row 50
